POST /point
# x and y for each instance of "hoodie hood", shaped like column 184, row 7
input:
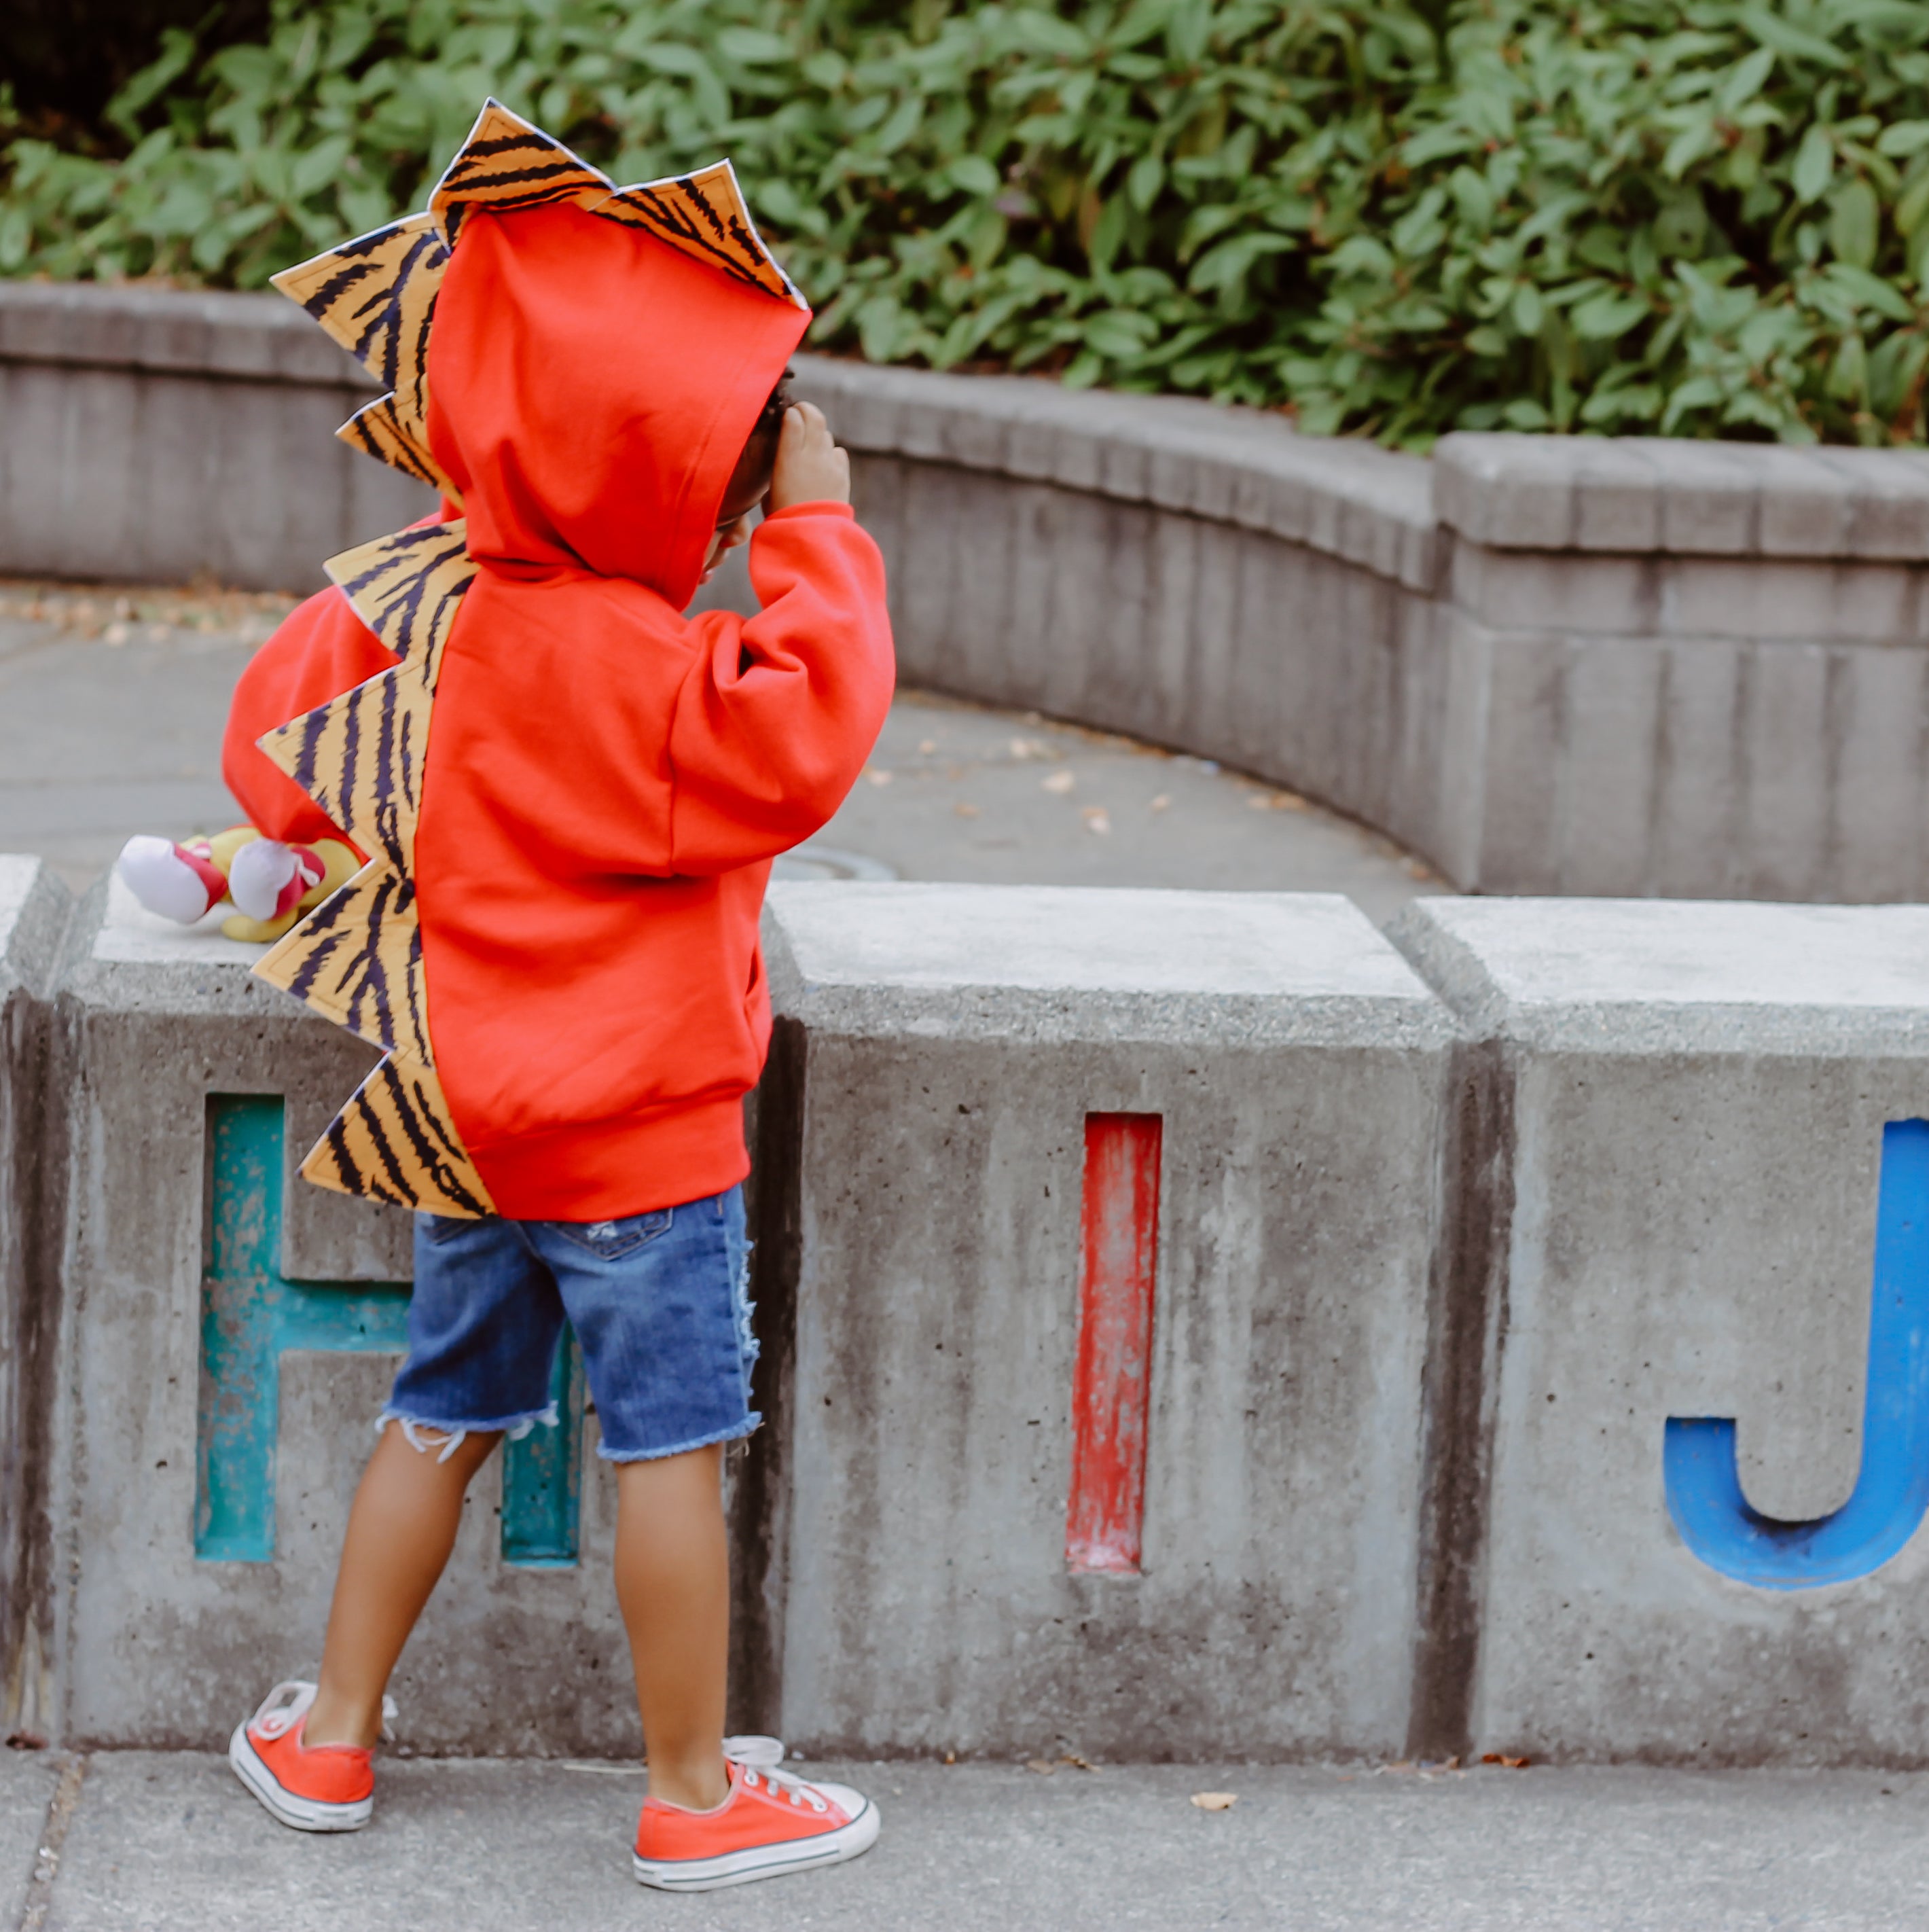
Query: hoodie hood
column 590, row 391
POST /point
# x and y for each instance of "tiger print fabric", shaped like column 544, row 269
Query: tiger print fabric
column 376, row 295
column 395, row 1141
column 357, row 958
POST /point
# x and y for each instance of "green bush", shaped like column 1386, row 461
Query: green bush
column 1708, row 219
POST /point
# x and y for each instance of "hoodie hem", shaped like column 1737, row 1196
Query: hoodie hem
column 607, row 1170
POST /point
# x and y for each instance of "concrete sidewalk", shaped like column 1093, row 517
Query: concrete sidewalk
column 154, row 1843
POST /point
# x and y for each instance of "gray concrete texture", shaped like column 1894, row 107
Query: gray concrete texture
column 34, row 911
column 1690, row 1107
column 172, row 1843
column 1548, row 664
column 155, row 435
column 945, row 1045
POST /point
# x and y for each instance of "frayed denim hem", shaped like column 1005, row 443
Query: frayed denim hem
column 747, row 1427
column 515, row 1427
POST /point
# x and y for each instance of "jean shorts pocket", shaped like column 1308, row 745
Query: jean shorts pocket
column 610, row 1241
column 439, row 1228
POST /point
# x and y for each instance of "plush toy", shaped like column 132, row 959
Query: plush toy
column 270, row 884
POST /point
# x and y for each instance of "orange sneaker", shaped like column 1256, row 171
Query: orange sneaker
column 331, row 1788
column 772, row 1823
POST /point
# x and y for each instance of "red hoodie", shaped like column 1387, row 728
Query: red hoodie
column 606, row 783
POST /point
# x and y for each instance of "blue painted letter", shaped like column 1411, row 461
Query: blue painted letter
column 1892, row 1491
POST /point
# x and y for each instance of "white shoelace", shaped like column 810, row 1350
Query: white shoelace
column 288, row 1703
column 761, row 1757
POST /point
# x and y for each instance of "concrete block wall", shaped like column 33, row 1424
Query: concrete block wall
column 226, row 1334
column 1193, row 1324
column 964, row 1055
column 1703, row 1450
column 1550, row 664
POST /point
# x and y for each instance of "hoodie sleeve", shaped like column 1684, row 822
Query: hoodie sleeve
column 778, row 712
column 322, row 649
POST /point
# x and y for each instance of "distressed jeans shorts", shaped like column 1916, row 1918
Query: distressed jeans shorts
column 659, row 1303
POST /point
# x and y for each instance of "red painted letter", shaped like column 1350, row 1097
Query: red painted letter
column 1111, row 1388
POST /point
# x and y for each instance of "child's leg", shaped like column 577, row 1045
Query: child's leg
column 673, row 1582
column 401, row 1531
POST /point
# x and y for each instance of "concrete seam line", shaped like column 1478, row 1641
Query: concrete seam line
column 60, row 1808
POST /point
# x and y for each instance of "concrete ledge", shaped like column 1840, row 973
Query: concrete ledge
column 1642, row 494
column 1697, row 1112
column 964, row 1055
column 241, row 337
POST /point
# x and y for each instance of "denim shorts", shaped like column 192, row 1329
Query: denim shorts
column 659, row 1303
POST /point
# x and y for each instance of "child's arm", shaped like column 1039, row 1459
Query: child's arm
column 779, row 712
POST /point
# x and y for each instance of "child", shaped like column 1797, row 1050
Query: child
column 604, row 787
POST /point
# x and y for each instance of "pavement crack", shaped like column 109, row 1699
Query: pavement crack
column 61, row 1809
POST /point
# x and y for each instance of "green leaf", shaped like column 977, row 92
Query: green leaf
column 1814, row 164
column 1854, row 221
column 1903, row 138
column 1605, row 317
column 1146, row 177
column 972, row 174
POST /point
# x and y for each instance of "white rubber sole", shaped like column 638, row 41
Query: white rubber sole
column 298, row 1813
column 746, row 1867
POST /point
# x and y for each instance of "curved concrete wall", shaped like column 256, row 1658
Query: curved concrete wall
column 1550, row 664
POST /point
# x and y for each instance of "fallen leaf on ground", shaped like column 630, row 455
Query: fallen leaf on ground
column 926, row 746
column 1077, row 1762
column 1043, row 1766
column 26, row 1740
column 1097, row 818
column 1061, row 782
column 878, row 776
column 965, row 811
column 1160, row 803
column 1215, row 1801
column 1512, row 1763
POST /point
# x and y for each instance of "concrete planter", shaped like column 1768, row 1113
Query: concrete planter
column 1551, row 664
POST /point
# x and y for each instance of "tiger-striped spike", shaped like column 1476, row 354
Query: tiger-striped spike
column 406, row 588
column 376, row 296
column 396, row 1140
column 382, row 431
column 360, row 758
column 507, row 164
column 706, row 215
column 357, row 960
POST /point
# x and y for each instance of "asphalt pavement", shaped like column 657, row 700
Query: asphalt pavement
column 112, row 704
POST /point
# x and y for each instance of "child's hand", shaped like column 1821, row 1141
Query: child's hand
column 811, row 468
